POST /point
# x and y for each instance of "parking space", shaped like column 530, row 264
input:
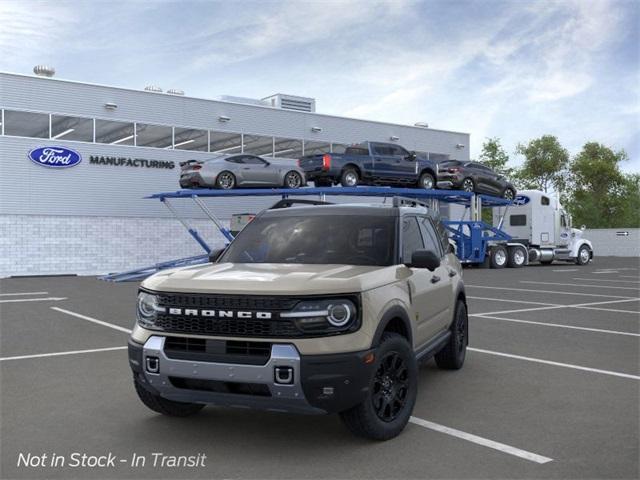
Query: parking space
column 550, row 389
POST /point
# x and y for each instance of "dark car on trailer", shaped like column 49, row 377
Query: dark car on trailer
column 371, row 163
column 474, row 177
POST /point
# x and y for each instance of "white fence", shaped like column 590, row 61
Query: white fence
column 614, row 242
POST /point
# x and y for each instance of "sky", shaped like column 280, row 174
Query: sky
column 509, row 69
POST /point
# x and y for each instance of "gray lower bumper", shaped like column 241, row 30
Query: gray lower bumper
column 444, row 184
column 284, row 398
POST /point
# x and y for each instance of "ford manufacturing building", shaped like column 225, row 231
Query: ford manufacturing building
column 92, row 218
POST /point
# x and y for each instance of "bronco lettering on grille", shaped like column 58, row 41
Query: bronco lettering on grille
column 192, row 312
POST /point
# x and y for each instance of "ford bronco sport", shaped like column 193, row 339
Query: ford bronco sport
column 310, row 309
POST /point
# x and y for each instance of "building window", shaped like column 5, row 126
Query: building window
column 287, row 148
column 26, row 124
column 71, row 128
column 258, row 145
column 314, row 148
column 225, row 142
column 157, row 136
column 114, row 133
column 190, row 139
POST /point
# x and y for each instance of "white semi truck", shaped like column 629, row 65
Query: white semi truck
column 540, row 230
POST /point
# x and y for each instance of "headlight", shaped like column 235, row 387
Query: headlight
column 333, row 315
column 147, row 311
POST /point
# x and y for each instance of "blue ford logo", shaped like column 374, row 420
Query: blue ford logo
column 521, row 200
column 55, row 157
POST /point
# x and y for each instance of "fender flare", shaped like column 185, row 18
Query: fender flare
column 396, row 311
column 580, row 243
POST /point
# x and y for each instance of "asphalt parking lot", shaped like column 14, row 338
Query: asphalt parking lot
column 550, row 390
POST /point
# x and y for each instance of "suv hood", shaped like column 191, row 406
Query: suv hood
column 272, row 279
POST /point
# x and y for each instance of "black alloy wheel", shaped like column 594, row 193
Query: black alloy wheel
column 509, row 194
column 226, row 180
column 390, row 387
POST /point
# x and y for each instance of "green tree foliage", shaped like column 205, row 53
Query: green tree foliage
column 545, row 164
column 600, row 195
column 494, row 156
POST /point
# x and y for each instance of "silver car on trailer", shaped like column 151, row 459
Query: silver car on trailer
column 241, row 170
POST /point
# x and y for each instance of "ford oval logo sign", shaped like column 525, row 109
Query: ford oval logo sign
column 55, row 157
column 521, row 200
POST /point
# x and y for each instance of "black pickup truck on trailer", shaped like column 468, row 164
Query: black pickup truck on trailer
column 371, row 163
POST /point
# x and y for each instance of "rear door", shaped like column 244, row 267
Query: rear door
column 429, row 298
column 384, row 161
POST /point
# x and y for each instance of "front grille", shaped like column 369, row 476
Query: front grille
column 220, row 351
column 218, row 386
column 233, row 302
column 237, row 327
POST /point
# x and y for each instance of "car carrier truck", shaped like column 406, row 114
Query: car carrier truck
column 540, row 231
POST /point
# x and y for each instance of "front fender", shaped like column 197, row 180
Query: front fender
column 579, row 243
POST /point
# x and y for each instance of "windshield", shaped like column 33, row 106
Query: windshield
column 320, row 239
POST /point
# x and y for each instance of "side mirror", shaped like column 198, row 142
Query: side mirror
column 412, row 156
column 214, row 255
column 424, row 259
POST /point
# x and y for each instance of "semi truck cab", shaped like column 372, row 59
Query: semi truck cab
column 538, row 221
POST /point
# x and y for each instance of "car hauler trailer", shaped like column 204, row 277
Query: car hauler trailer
column 476, row 242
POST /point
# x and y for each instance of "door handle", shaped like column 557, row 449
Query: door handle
column 435, row 279
column 452, row 273
column 246, row 168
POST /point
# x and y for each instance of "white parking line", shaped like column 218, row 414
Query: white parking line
column 531, row 290
column 555, row 307
column 23, row 293
column 555, row 364
column 567, row 270
column 587, row 306
column 513, row 301
column 628, row 276
column 597, row 330
column 93, row 320
column 58, row 354
column 485, row 442
column 604, row 280
column 47, row 299
column 582, row 285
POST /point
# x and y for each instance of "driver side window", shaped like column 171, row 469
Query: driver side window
column 411, row 238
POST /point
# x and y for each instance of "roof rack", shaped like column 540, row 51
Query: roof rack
column 409, row 202
column 290, row 202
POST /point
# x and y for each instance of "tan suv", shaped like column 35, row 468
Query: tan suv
column 311, row 309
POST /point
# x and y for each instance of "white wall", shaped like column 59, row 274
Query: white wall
column 607, row 242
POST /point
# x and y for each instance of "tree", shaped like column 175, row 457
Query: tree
column 601, row 196
column 545, row 164
column 495, row 157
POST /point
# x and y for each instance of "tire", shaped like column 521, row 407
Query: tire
column 377, row 417
column 164, row 406
column 427, row 181
column 508, row 194
column 468, row 185
column 292, row 179
column 517, row 257
column 349, row 177
column 584, row 255
column 225, row 180
column 452, row 356
column 498, row 257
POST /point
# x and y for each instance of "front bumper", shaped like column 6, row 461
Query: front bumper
column 287, row 382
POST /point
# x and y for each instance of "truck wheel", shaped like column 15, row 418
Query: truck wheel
column 164, row 406
column 452, row 356
column 226, row 180
column 517, row 257
column 584, row 255
column 498, row 256
column 392, row 392
column 349, row 178
column 427, row 181
column 509, row 194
